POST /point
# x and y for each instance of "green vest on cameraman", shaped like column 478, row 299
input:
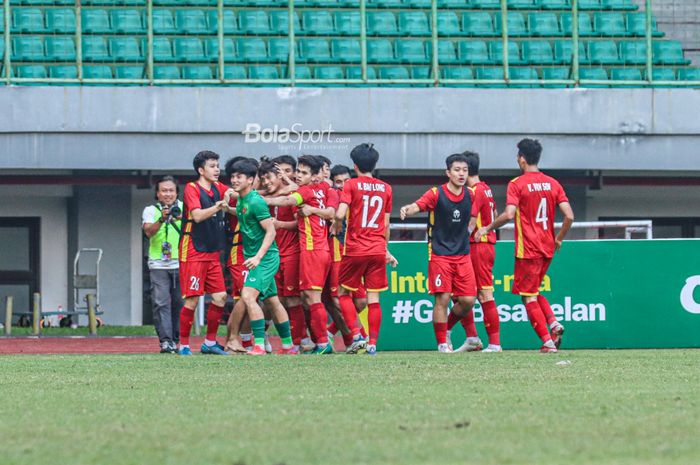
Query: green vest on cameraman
column 166, row 233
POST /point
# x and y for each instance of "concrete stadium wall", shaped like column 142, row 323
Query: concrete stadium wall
column 680, row 20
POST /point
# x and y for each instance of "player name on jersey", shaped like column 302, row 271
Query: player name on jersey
column 539, row 187
column 371, row 187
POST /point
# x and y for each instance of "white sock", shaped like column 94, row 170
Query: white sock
column 184, row 346
column 550, row 344
column 209, row 343
column 306, row 341
column 473, row 339
column 323, row 345
column 246, row 337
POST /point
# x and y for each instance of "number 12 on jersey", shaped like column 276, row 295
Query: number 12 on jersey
column 376, row 203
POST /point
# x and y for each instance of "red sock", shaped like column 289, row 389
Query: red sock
column 374, row 317
column 319, row 317
column 332, row 328
column 347, row 307
column 546, row 309
column 469, row 325
column 347, row 339
column 491, row 322
column 248, row 342
column 298, row 323
column 440, row 332
column 214, row 313
column 361, row 328
column 452, row 320
column 267, row 325
column 186, row 319
column 537, row 320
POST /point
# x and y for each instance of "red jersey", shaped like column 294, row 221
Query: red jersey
column 192, row 202
column 428, row 201
column 368, row 200
column 313, row 231
column 535, row 196
column 485, row 206
column 235, row 257
column 287, row 239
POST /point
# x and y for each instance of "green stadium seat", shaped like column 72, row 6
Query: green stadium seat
column 585, row 26
column 255, row 21
column 97, row 72
column 555, row 73
column 162, row 49
column 521, row 74
column 420, row 72
column 603, row 52
column 661, row 74
column 381, row 23
column 279, row 22
column 347, row 23
column 234, row 72
column 63, row 72
column 96, row 21
column 192, row 22
column 27, row 48
column 496, row 52
column 252, row 50
column 473, row 52
column 589, row 5
column 124, row 49
column 163, row 22
column 317, row 23
column 555, row 4
column 414, row 23
column 166, row 72
column 618, row 5
column 355, row 72
column 263, row 72
column 417, row 3
column 393, row 72
column 485, row 4
column 31, row 72
column 457, row 73
column 380, row 51
column 188, row 49
column 626, row 74
column 447, row 52
column 523, row 4
column 211, row 47
column 60, row 48
column 490, row 73
column 113, row 3
column 563, row 52
column 300, row 72
column 544, row 25
column 130, row 72
column 597, row 74
column 278, row 50
column 326, row 3
column 411, row 51
column 230, row 23
column 538, row 52
column 329, row 72
column 637, row 25
column 346, row 50
column 197, row 72
column 349, row 3
column 633, row 53
column 384, row 4
column 668, row 52
column 95, row 49
column 60, row 21
column 448, row 24
column 477, row 23
column 609, row 24
column 28, row 20
column 516, row 24
column 2, row 50
column 127, row 22
column 689, row 74
column 314, row 51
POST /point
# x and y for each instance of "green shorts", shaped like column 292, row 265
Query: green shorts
column 262, row 277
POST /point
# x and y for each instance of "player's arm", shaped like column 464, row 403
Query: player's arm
column 409, row 210
column 472, row 224
column 390, row 259
column 203, row 214
column 282, row 201
column 288, row 225
column 269, row 226
column 565, row 208
column 289, row 185
column 341, row 212
column 502, row 219
column 327, row 213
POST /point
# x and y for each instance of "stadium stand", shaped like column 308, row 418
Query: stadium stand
column 327, row 42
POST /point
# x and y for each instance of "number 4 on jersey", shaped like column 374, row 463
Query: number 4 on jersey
column 541, row 216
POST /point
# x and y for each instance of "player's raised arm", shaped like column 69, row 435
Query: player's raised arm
column 282, row 201
column 409, row 210
column 565, row 208
column 502, row 219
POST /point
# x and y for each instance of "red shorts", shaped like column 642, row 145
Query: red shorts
column 314, row 266
column 199, row 278
column 370, row 269
column 287, row 277
column 238, row 275
column 483, row 255
column 332, row 281
column 529, row 273
column 454, row 275
column 360, row 293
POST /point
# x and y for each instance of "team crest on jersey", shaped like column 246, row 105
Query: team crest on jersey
column 456, row 216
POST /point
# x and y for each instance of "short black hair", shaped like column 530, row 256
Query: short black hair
column 267, row 167
column 325, row 160
column 365, row 156
column 313, row 162
column 472, row 162
column 201, row 159
column 246, row 167
column 166, row 178
column 287, row 160
column 340, row 169
column 454, row 158
column 228, row 168
column 531, row 150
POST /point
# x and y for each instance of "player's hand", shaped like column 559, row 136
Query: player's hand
column 404, row 212
column 252, row 263
column 336, row 228
column 391, row 260
column 221, row 205
column 480, row 233
column 306, row 210
column 228, row 194
column 557, row 244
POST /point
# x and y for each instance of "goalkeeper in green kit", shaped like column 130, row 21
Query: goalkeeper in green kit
column 262, row 259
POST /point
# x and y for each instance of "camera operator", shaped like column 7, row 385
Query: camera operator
column 162, row 225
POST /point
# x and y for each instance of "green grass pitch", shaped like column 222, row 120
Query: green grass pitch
column 605, row 407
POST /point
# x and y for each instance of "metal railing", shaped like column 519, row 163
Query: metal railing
column 435, row 65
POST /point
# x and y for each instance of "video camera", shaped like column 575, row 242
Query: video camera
column 174, row 212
